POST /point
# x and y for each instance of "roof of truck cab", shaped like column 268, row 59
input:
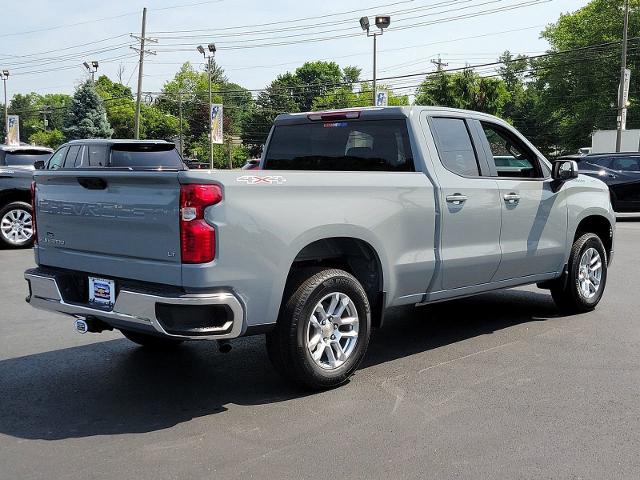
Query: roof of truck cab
column 113, row 141
column 19, row 148
column 372, row 113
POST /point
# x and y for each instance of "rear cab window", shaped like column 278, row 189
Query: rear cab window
column 25, row 158
column 141, row 156
column 342, row 145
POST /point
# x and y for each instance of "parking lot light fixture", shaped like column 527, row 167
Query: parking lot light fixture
column 92, row 68
column 381, row 22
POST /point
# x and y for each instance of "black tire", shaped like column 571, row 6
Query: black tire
column 22, row 207
column 287, row 344
column 151, row 341
column 567, row 294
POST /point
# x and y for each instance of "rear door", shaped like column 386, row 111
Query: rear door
column 112, row 223
column 470, row 205
column 534, row 213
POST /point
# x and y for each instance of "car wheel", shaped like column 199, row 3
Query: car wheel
column 151, row 341
column 323, row 329
column 587, row 276
column 16, row 225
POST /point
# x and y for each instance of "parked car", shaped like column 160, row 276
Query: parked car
column 352, row 212
column 195, row 164
column 621, row 172
column 123, row 154
column 251, row 164
column 16, row 168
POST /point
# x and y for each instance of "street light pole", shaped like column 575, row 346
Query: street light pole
column 375, row 55
column 212, row 51
column 622, row 108
column 210, row 132
column 382, row 22
column 5, row 76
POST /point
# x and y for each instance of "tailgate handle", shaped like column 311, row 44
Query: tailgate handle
column 92, row 183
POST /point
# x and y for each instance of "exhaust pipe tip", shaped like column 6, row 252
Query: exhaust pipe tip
column 81, row 326
column 224, row 346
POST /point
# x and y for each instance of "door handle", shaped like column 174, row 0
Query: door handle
column 512, row 198
column 456, row 198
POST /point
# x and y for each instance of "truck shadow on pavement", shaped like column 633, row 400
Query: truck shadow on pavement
column 113, row 387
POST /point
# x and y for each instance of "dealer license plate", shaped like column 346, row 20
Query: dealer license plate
column 102, row 291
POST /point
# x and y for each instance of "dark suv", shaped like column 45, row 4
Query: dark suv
column 127, row 154
column 16, row 169
column 621, row 172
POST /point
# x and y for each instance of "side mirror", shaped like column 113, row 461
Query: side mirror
column 564, row 170
column 38, row 164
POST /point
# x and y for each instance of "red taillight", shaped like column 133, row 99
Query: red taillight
column 33, row 211
column 197, row 237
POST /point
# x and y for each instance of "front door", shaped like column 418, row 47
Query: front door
column 534, row 215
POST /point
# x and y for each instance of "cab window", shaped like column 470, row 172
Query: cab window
column 510, row 156
column 57, row 159
column 454, row 146
column 72, row 154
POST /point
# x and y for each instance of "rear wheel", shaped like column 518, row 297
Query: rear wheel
column 16, row 225
column 587, row 276
column 151, row 341
column 323, row 329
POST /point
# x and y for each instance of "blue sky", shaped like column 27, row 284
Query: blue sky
column 45, row 42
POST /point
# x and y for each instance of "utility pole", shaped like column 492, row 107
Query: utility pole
column 209, row 115
column 439, row 64
column 622, row 107
column 4, row 75
column 180, row 113
column 142, row 39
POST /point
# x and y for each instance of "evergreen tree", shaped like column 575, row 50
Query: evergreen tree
column 87, row 117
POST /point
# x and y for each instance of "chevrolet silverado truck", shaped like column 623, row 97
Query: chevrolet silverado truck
column 351, row 212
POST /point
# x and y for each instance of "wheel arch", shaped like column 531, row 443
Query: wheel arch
column 14, row 195
column 599, row 225
column 354, row 255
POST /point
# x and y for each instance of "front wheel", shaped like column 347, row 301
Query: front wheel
column 587, row 276
column 323, row 329
column 16, row 225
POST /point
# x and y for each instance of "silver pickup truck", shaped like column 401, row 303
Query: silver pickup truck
column 350, row 213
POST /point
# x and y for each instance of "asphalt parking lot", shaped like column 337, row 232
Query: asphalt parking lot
column 497, row 386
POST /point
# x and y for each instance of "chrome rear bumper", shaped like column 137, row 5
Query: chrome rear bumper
column 134, row 308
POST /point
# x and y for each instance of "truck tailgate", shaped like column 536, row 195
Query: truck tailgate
column 111, row 223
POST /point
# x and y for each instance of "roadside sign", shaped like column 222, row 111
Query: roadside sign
column 13, row 135
column 382, row 98
column 625, row 91
column 216, row 124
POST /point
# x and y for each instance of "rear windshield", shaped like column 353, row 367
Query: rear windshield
column 351, row 145
column 145, row 156
column 25, row 158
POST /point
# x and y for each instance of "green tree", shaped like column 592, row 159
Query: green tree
column 87, row 117
column 49, row 138
column 464, row 89
column 577, row 84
